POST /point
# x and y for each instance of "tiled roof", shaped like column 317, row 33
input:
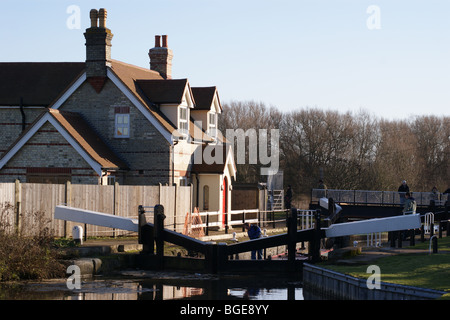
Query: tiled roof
column 41, row 83
column 36, row 83
column 204, row 97
column 86, row 137
column 163, row 91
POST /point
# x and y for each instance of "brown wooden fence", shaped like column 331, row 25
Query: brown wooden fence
column 28, row 199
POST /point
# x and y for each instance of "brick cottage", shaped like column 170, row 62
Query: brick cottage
column 104, row 121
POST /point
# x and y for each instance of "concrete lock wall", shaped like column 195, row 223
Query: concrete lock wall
column 321, row 283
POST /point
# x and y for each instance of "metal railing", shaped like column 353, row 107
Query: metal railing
column 360, row 197
column 211, row 219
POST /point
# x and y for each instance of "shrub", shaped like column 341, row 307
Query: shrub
column 27, row 256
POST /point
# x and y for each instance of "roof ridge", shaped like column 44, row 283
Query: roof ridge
column 134, row 66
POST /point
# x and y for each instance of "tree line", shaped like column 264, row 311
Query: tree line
column 351, row 151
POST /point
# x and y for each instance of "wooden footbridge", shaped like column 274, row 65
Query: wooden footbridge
column 218, row 257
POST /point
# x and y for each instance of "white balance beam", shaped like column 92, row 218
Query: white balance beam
column 324, row 204
column 95, row 218
column 397, row 223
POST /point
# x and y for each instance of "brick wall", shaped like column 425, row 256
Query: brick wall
column 11, row 124
column 48, row 149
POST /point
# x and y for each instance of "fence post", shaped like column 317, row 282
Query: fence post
column 221, row 258
column 145, row 233
column 392, row 238
column 18, row 202
column 292, row 235
column 315, row 241
column 448, row 228
column 68, row 202
column 159, row 234
column 116, row 203
column 412, row 239
column 211, row 257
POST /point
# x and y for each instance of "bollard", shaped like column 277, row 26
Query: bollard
column 422, row 233
column 433, row 241
column 77, row 234
column 399, row 239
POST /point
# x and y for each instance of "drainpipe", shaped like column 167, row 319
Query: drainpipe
column 173, row 161
column 23, row 114
column 198, row 185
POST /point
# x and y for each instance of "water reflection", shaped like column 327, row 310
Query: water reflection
column 159, row 287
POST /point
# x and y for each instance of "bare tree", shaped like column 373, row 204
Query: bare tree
column 351, row 151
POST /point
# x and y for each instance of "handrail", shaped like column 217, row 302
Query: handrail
column 377, row 197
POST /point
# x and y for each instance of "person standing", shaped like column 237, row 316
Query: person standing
column 402, row 190
column 254, row 232
column 322, row 192
column 410, row 204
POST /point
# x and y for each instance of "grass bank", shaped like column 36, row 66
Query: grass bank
column 412, row 269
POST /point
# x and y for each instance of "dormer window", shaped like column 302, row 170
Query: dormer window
column 183, row 120
column 212, row 124
column 122, row 123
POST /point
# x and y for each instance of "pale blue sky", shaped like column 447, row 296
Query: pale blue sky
column 287, row 53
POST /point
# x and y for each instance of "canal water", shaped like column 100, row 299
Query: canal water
column 144, row 285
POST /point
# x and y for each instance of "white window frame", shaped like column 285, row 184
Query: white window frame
column 205, row 197
column 122, row 125
column 212, row 125
column 183, row 124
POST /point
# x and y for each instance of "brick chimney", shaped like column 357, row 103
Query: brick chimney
column 98, row 49
column 161, row 57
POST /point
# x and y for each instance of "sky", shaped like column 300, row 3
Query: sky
column 390, row 58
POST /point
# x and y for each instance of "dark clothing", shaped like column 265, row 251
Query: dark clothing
column 403, row 189
column 254, row 232
column 288, row 198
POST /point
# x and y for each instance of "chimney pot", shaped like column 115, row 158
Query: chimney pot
column 102, row 14
column 94, row 17
column 157, row 41
column 161, row 57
